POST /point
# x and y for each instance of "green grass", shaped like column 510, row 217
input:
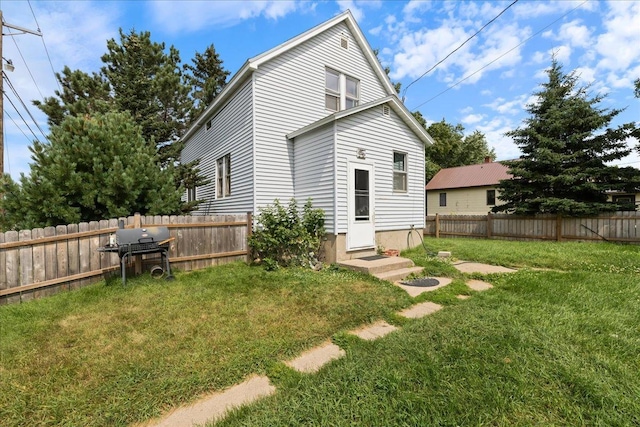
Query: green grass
column 541, row 348
column 558, row 346
column 108, row 355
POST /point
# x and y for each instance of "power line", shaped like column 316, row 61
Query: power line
column 456, row 49
column 25, row 64
column 499, row 57
column 23, row 120
column 45, row 46
column 4, row 75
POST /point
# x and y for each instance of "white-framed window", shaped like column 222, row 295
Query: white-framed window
column 223, row 173
column 399, row 172
column 332, row 88
column 192, row 194
column 341, row 91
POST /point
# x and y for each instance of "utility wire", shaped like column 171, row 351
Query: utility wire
column 6, row 79
column 18, row 126
column 45, row 46
column 499, row 57
column 25, row 64
column 23, row 120
column 456, row 49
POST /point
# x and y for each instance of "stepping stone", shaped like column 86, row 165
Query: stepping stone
column 372, row 332
column 215, row 406
column 414, row 291
column 463, row 296
column 420, row 310
column 314, row 359
column 479, row 285
column 476, row 267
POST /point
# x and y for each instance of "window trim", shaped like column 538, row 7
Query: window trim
column 192, row 194
column 341, row 95
column 443, row 200
column 397, row 172
column 223, row 176
column 492, row 198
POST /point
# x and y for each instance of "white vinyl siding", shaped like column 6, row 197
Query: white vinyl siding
column 314, row 171
column 380, row 136
column 230, row 133
column 290, row 94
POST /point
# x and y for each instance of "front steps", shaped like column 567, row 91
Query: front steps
column 391, row 269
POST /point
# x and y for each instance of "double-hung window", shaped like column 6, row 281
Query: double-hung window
column 341, row 92
column 223, row 183
column 491, row 197
column 443, row 199
column 399, row 172
column 332, row 95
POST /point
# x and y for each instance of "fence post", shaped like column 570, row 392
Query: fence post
column 489, row 225
column 137, row 223
column 559, row 228
column 437, row 226
column 249, row 232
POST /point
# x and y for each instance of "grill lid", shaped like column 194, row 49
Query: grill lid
column 141, row 235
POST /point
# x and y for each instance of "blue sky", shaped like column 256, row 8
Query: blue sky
column 484, row 86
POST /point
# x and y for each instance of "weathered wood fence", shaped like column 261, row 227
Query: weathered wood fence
column 613, row 227
column 43, row 261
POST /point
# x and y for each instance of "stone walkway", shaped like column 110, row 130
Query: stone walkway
column 215, row 406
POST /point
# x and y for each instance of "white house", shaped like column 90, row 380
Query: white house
column 316, row 117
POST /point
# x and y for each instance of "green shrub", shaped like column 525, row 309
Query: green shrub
column 284, row 237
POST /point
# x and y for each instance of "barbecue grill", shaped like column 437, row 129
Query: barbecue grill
column 138, row 241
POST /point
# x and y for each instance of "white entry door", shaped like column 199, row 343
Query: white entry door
column 361, row 229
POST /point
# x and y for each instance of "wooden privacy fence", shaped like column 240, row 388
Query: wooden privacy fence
column 613, row 227
column 42, row 261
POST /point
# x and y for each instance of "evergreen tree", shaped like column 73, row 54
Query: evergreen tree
column 148, row 82
column 207, row 78
column 637, row 88
column 94, row 167
column 452, row 148
column 81, row 94
column 566, row 144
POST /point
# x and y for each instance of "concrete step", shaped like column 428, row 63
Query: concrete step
column 377, row 266
column 399, row 274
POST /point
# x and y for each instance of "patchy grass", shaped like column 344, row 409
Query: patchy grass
column 541, row 348
column 113, row 355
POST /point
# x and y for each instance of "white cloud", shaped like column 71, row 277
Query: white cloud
column 375, row 30
column 472, row 118
column 619, row 45
column 414, row 8
column 494, row 131
column 513, row 107
column 357, row 7
column 534, row 9
column 191, row 16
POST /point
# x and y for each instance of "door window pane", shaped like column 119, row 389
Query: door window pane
column 361, row 204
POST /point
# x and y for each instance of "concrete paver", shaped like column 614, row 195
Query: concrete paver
column 463, row 296
column 314, row 359
column 372, row 332
column 420, row 310
column 216, row 406
column 479, row 285
column 476, row 267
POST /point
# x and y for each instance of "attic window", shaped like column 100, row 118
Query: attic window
column 385, row 110
column 344, row 42
column 208, row 126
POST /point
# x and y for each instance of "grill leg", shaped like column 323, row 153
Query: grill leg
column 165, row 254
column 123, row 268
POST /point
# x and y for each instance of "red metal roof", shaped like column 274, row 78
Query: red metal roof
column 469, row 176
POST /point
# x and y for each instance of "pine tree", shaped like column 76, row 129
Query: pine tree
column 94, row 167
column 207, row 78
column 566, row 144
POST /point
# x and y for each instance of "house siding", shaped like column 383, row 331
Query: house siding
column 314, row 174
column 463, row 201
column 231, row 133
column 290, row 94
column 393, row 211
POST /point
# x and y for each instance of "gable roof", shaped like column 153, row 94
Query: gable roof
column 469, row 176
column 391, row 100
column 254, row 63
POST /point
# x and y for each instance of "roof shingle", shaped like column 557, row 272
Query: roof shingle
column 469, row 176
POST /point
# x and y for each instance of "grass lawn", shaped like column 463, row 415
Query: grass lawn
column 543, row 347
column 111, row 356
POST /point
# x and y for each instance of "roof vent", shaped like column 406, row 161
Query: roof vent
column 385, row 110
column 344, row 42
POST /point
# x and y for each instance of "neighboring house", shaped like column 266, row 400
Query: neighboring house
column 316, row 117
column 465, row 190
column 631, row 198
